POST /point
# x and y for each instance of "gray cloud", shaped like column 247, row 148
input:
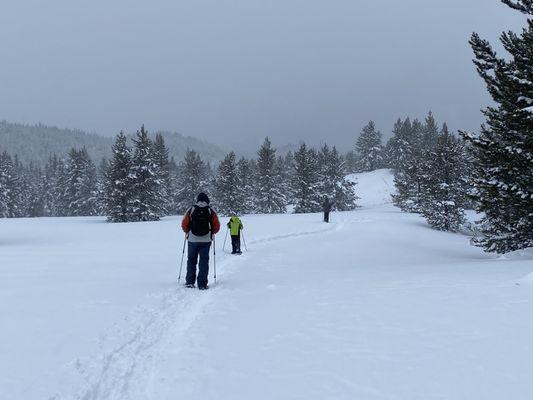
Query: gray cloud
column 234, row 71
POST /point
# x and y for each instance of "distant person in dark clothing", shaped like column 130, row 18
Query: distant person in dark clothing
column 200, row 224
column 326, row 207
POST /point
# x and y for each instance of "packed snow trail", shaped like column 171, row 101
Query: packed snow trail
column 373, row 306
column 121, row 373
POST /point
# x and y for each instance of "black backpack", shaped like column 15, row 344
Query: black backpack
column 200, row 220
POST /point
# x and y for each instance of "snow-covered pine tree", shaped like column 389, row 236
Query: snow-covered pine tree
column 307, row 185
column 193, row 178
column 246, row 174
column 33, row 191
column 283, row 179
column 424, row 144
column 404, row 149
column 80, row 186
column 369, row 149
column 430, row 132
column 334, row 184
column 352, row 159
column 398, row 147
column 163, row 172
column 286, row 171
column 101, row 182
column 146, row 202
column 3, row 190
column 229, row 194
column 54, row 187
column 118, row 182
column 269, row 194
column 173, row 171
column 20, row 192
column 503, row 149
column 444, row 184
column 325, row 172
column 8, row 184
column 415, row 166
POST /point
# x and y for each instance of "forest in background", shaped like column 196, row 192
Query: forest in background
column 36, row 143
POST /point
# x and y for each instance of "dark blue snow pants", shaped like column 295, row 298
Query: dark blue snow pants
column 194, row 250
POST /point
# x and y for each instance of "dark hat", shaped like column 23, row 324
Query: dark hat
column 203, row 197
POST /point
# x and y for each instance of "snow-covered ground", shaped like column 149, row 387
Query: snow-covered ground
column 374, row 305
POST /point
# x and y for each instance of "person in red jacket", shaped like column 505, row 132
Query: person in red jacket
column 200, row 223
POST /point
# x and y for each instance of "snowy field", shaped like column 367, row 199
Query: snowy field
column 374, row 305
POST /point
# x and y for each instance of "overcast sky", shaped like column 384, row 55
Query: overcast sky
column 235, row 71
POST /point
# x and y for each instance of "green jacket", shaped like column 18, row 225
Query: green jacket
column 235, row 225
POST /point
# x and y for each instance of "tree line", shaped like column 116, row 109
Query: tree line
column 431, row 168
column 140, row 182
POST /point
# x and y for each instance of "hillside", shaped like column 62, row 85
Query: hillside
column 35, row 143
column 374, row 305
column 374, row 188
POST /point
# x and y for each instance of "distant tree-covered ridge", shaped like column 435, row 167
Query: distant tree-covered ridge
column 36, row 143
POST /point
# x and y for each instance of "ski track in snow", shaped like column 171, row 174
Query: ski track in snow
column 123, row 372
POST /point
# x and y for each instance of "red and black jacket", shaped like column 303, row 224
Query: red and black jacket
column 186, row 222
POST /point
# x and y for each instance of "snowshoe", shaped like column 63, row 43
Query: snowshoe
column 203, row 287
column 189, row 285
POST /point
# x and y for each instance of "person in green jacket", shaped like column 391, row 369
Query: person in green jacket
column 235, row 226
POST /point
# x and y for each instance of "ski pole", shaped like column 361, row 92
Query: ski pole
column 182, row 255
column 244, row 241
column 225, row 237
column 215, row 259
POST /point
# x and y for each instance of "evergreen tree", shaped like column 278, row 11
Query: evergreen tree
column 503, row 150
column 173, row 171
column 352, row 161
column 406, row 172
column 34, row 191
column 118, row 182
column 20, row 191
column 325, row 172
column 399, row 145
column 54, row 187
column 3, row 187
column 146, row 202
column 163, row 173
column 414, row 166
column 369, row 149
column 306, row 181
column 246, row 174
column 193, row 178
column 285, row 166
column 8, row 184
column 333, row 180
column 268, row 190
column 101, row 183
column 80, row 186
column 430, row 132
column 444, row 195
column 228, row 191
